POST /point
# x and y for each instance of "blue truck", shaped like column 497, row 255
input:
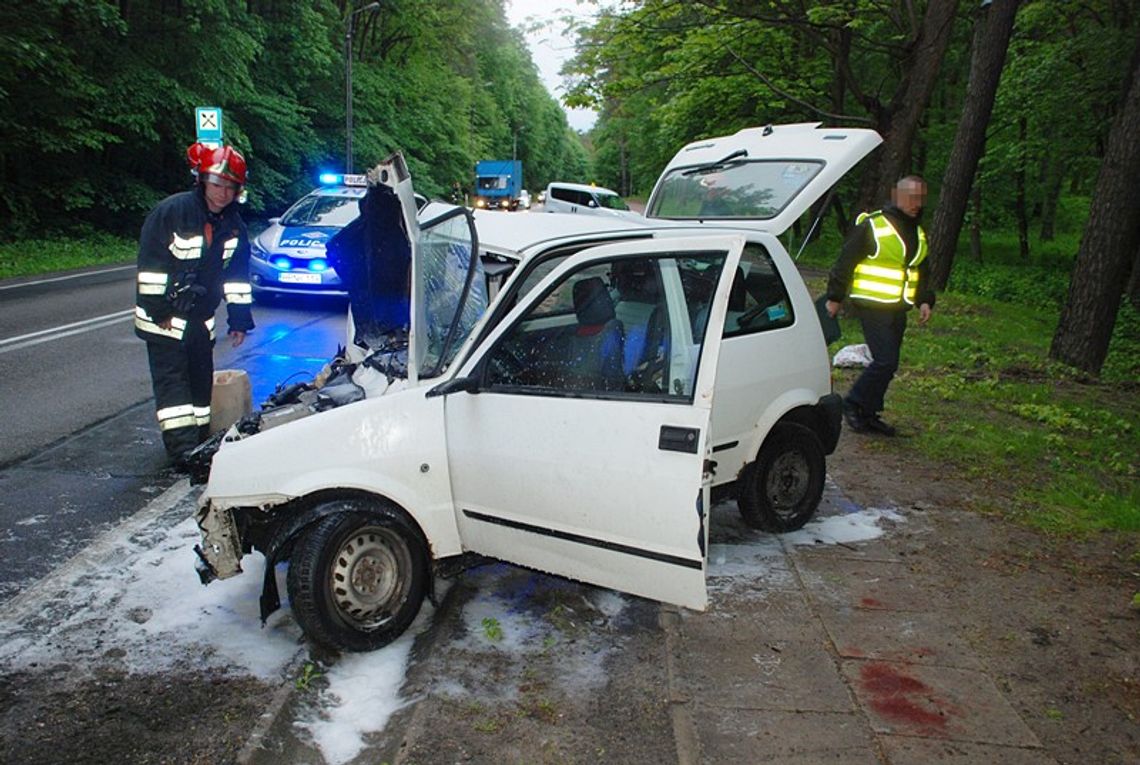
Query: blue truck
column 498, row 184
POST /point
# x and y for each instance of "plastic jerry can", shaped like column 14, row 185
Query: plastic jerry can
column 231, row 399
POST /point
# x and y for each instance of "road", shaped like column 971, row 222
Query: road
column 81, row 449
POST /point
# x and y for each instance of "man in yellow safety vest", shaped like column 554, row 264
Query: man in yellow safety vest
column 882, row 268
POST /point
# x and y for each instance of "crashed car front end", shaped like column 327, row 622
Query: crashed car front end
column 269, row 476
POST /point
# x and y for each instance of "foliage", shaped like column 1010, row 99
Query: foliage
column 98, row 100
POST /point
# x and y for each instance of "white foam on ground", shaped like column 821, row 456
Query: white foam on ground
column 145, row 611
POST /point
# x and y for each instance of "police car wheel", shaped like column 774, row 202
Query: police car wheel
column 780, row 491
column 358, row 576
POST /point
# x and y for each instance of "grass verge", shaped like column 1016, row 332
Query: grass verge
column 1045, row 447
column 41, row 256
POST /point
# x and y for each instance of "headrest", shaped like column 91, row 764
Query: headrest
column 592, row 302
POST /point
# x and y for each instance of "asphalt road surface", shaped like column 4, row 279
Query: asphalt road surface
column 80, row 448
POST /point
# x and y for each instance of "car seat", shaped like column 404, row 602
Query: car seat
column 595, row 350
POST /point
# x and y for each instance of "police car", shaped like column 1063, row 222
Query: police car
column 289, row 257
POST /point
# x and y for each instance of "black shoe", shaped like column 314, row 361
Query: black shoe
column 876, row 425
column 854, row 418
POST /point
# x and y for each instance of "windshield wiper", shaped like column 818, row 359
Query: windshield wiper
column 718, row 165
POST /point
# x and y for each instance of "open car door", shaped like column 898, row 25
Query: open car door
column 577, row 441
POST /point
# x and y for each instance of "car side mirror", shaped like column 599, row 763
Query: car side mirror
column 455, row 385
column 274, row 221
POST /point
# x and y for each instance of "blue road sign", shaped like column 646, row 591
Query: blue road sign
column 209, row 119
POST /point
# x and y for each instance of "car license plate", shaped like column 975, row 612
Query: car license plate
column 300, row 278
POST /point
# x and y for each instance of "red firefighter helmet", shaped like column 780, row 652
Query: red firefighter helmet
column 221, row 162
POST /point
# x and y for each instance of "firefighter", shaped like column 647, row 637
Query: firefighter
column 883, row 268
column 193, row 251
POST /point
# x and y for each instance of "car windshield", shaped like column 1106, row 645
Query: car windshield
column 322, row 210
column 454, row 293
column 753, row 190
column 612, row 202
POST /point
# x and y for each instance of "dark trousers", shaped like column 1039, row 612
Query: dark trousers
column 182, row 375
column 883, row 332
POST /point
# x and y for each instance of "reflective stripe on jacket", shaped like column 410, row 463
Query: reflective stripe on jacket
column 888, row 275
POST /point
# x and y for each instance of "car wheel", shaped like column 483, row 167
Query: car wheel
column 781, row 490
column 357, row 578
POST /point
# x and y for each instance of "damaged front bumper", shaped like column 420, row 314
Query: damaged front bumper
column 219, row 555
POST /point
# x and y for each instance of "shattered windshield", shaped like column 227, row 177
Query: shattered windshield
column 754, row 190
column 454, row 291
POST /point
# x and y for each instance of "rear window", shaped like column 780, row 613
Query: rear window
column 754, row 190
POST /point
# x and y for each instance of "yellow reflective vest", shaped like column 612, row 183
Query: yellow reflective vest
column 890, row 274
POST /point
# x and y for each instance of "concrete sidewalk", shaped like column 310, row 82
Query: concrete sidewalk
column 841, row 656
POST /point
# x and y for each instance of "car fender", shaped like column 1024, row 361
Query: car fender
column 391, row 446
column 786, row 405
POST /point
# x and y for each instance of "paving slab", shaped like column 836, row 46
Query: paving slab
column 921, row 751
column 936, row 702
column 763, row 615
column 841, row 582
column 729, row 735
column 899, row 636
column 755, row 674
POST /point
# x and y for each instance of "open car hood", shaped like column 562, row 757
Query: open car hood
column 763, row 178
column 414, row 291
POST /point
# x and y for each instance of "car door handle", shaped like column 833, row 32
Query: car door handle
column 677, row 439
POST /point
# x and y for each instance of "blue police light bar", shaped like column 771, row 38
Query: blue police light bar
column 282, row 263
column 316, row 264
column 338, row 179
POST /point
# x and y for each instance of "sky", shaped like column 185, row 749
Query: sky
column 134, row 590
column 552, row 46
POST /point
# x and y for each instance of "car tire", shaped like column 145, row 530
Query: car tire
column 780, row 491
column 358, row 576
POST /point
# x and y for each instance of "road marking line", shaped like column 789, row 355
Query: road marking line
column 65, row 330
column 65, row 278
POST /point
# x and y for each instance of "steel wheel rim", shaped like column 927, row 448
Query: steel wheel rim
column 370, row 576
column 787, row 482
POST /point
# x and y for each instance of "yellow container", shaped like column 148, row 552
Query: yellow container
column 231, row 400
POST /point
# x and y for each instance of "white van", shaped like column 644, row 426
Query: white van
column 580, row 198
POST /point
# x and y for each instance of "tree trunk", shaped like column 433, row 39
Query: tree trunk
column 1110, row 245
column 1054, row 176
column 1019, row 207
column 899, row 121
column 992, row 31
column 975, row 226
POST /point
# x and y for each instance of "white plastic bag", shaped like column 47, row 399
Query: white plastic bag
column 852, row 356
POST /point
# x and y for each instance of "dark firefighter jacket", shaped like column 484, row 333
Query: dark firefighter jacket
column 189, row 259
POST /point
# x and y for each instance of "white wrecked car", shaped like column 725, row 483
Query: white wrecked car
column 575, row 423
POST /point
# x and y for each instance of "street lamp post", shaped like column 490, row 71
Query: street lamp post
column 348, row 83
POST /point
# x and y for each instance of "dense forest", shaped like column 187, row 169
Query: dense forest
column 99, row 97
column 1024, row 115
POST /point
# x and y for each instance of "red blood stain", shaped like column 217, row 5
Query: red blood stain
column 871, row 603
column 904, row 699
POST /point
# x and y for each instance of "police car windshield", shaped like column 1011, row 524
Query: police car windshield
column 319, row 210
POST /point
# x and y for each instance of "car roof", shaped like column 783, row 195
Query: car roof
column 519, row 231
column 582, row 187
